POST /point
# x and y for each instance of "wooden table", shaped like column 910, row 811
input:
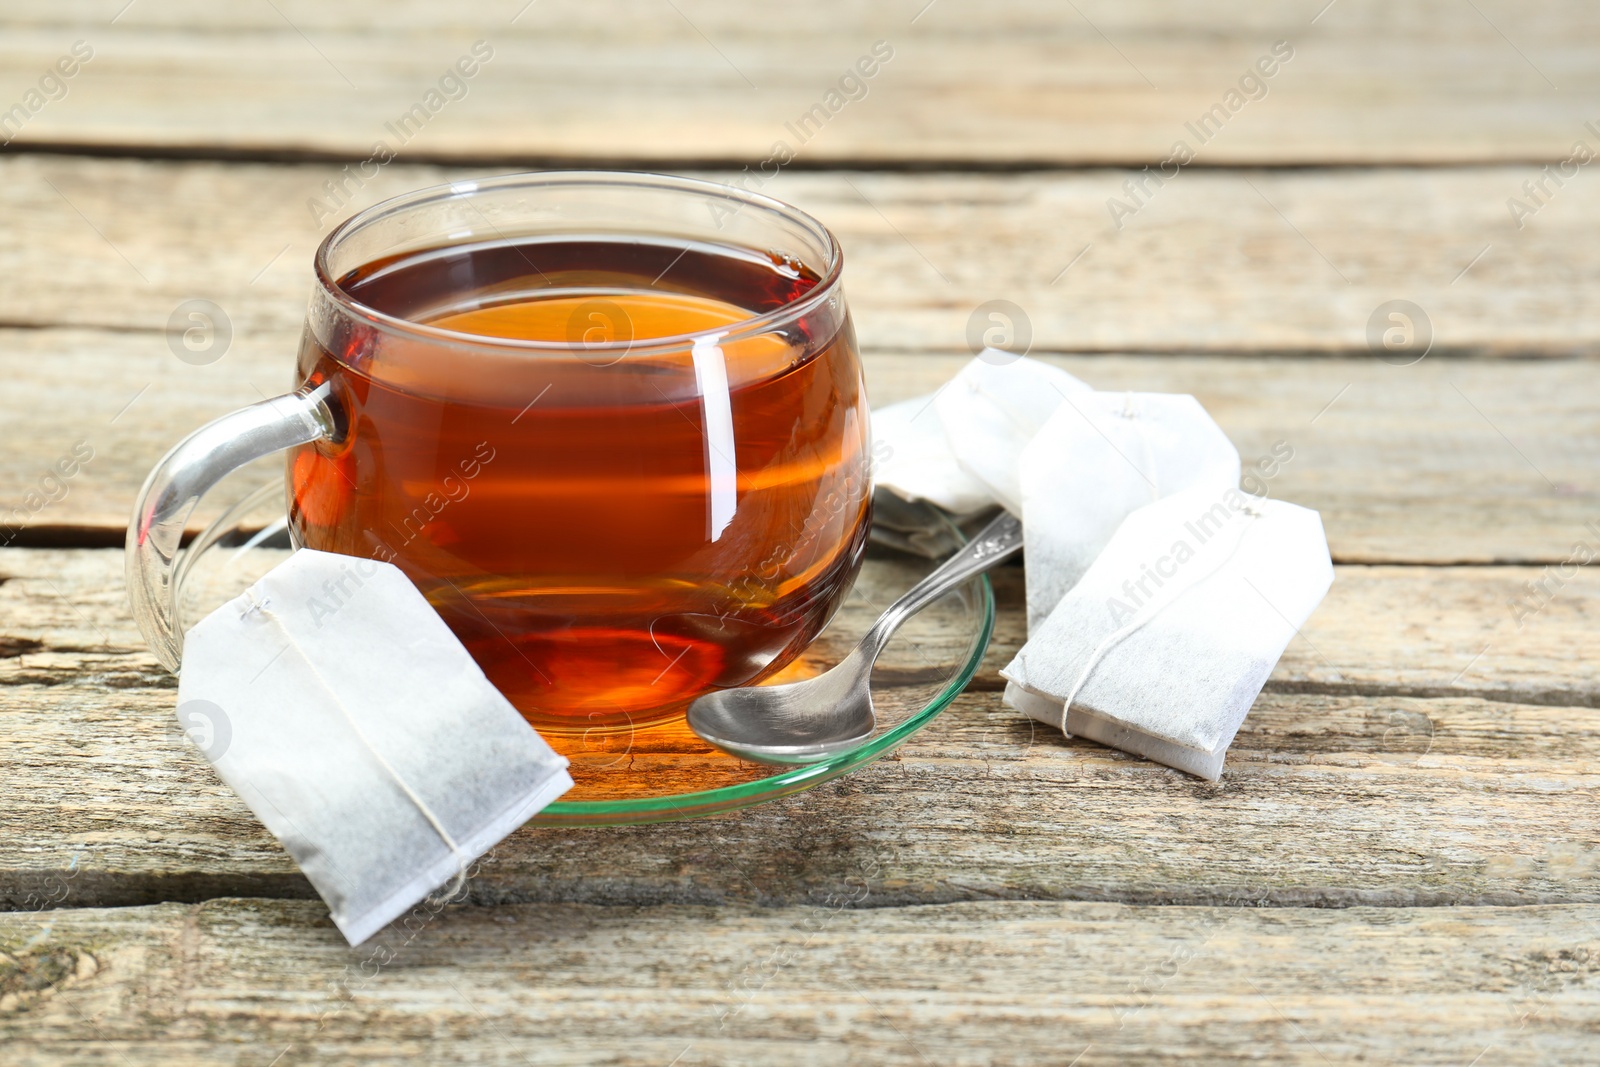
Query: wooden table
column 1400, row 864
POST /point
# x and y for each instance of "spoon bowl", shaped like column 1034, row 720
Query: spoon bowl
column 810, row 720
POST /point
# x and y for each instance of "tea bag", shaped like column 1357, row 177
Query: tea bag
column 1162, row 646
column 990, row 411
column 1097, row 458
column 919, row 488
column 358, row 729
column 913, row 461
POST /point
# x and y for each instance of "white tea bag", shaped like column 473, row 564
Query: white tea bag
column 358, row 729
column 912, row 459
column 991, row 410
column 1163, row 645
column 1097, row 458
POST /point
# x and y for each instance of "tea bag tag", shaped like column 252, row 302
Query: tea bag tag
column 361, row 733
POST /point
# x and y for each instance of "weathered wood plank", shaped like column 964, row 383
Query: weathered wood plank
column 1446, row 461
column 1023, row 80
column 1208, row 265
column 244, row 981
column 1397, row 631
column 1497, row 803
column 1497, row 796
column 1418, row 631
column 1407, row 463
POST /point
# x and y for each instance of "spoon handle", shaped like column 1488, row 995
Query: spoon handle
column 995, row 543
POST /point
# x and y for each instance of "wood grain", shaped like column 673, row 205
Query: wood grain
column 244, row 981
column 1448, row 461
column 1218, row 262
column 1326, row 801
column 1423, row 756
column 1342, row 787
column 1397, row 631
column 997, row 83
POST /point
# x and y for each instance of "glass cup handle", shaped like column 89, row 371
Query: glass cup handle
column 182, row 477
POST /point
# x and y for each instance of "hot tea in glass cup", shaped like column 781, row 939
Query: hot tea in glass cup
column 613, row 426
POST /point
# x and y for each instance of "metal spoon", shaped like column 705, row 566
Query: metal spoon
column 807, row 721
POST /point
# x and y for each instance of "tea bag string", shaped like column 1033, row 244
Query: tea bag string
column 1116, row 636
column 260, row 606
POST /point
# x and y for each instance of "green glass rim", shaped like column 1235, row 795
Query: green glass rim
column 677, row 806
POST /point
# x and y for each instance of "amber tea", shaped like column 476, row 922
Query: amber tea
column 611, row 520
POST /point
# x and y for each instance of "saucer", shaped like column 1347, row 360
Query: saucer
column 665, row 772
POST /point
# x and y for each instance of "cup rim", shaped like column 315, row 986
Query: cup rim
column 755, row 324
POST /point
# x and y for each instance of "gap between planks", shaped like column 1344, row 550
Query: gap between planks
column 856, row 164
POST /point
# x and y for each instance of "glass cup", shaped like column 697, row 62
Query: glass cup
column 613, row 426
